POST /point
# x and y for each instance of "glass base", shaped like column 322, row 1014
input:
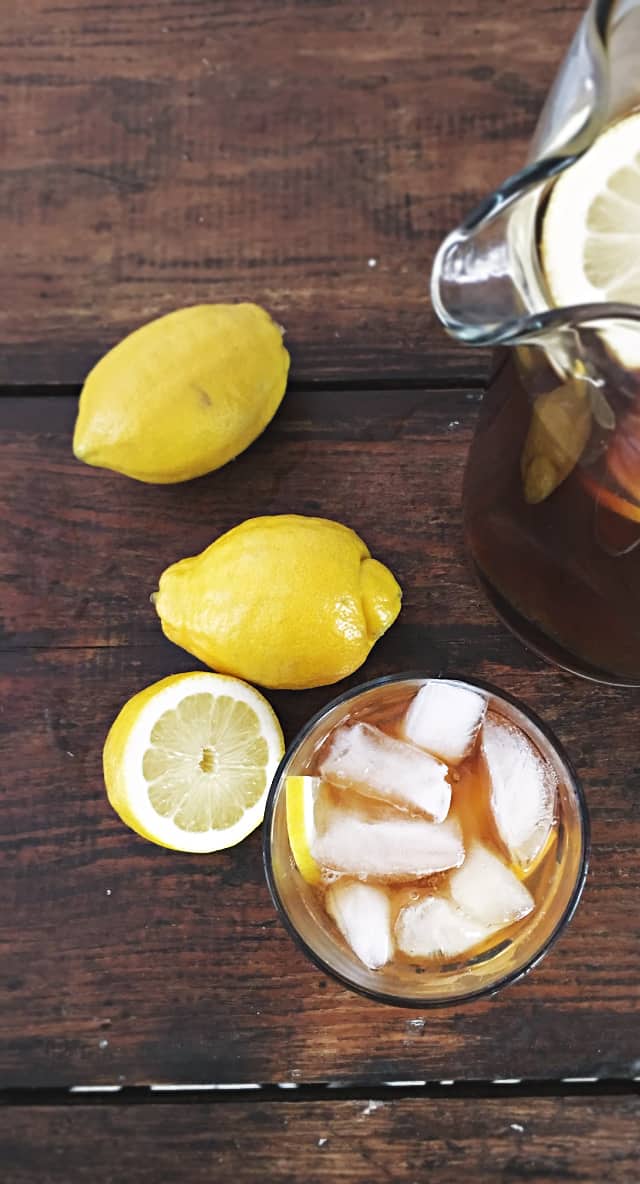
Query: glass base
column 544, row 646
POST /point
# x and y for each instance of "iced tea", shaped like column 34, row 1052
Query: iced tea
column 425, row 839
column 562, row 568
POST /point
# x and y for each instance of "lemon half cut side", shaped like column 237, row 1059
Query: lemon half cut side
column 188, row 762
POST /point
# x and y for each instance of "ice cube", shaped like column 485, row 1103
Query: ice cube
column 523, row 791
column 362, row 757
column 434, row 927
column 386, row 849
column 488, row 891
column 362, row 913
column 445, row 719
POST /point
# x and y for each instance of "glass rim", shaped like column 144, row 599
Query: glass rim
column 512, row 976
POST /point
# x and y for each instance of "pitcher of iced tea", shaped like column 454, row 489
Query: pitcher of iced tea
column 547, row 271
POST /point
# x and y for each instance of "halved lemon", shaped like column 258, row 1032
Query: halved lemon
column 189, row 760
column 301, row 797
column 591, row 231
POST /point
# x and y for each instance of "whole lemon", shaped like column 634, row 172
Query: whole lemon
column 184, row 394
column 286, row 602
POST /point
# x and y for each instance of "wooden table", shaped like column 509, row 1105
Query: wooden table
column 309, row 156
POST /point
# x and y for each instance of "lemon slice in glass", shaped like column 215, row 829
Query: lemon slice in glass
column 188, row 762
column 591, row 231
column 301, row 799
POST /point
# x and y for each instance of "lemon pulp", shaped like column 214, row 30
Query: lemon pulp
column 206, row 762
column 591, row 231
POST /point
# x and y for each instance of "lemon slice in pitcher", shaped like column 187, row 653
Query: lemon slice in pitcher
column 591, row 231
column 188, row 762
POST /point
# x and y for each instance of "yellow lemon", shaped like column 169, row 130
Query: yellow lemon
column 285, row 601
column 184, row 394
column 524, row 872
column 189, row 760
column 301, row 794
column 591, row 231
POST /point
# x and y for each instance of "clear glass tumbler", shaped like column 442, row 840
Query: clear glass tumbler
column 408, row 983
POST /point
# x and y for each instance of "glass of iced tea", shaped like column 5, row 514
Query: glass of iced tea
column 425, row 839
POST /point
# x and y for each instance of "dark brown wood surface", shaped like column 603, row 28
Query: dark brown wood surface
column 125, row 963
column 309, row 155
column 540, row 1142
column 163, row 153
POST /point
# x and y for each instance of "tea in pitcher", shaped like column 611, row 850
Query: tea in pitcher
column 547, row 270
column 552, row 487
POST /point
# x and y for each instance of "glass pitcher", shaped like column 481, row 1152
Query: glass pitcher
column 552, row 485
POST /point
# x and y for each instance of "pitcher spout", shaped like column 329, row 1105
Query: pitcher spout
column 487, row 283
column 486, row 280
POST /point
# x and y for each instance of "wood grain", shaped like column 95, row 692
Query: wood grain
column 538, row 1141
column 161, row 154
column 126, row 963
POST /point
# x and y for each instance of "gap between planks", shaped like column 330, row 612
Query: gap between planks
column 385, row 1091
column 295, row 386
